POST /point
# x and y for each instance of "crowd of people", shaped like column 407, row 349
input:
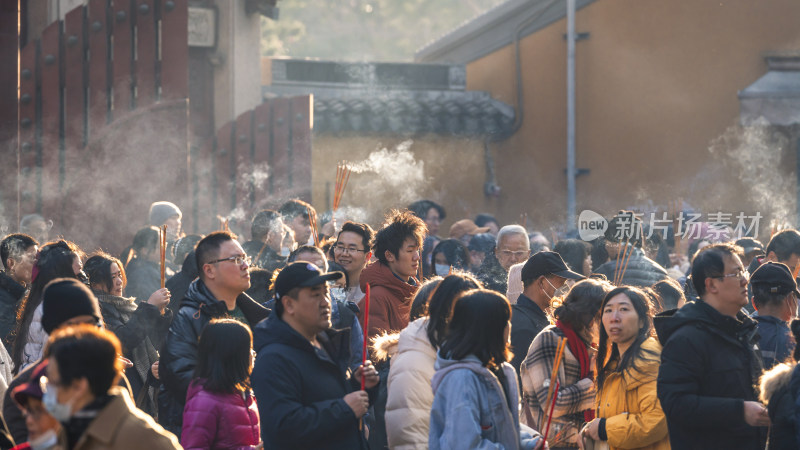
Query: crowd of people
column 349, row 337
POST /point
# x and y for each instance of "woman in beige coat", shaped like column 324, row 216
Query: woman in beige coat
column 410, row 398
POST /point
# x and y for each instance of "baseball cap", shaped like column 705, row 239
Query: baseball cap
column 301, row 274
column 749, row 244
column 547, row 263
column 464, row 227
column 33, row 387
column 776, row 276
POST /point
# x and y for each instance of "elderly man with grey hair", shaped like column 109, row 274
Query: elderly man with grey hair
column 512, row 247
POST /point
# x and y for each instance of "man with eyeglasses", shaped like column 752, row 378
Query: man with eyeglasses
column 218, row 292
column 512, row 247
column 775, row 300
column 352, row 252
column 711, row 360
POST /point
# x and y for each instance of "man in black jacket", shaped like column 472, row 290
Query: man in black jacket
column 18, row 253
column 623, row 237
column 544, row 276
column 308, row 396
column 218, row 292
column 710, row 362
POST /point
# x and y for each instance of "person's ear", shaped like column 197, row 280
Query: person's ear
column 710, row 285
column 389, row 256
column 771, row 256
column 209, row 271
column 10, row 263
column 288, row 305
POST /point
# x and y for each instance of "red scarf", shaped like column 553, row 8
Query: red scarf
column 578, row 348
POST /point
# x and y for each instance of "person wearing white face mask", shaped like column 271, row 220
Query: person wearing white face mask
column 81, row 392
column 544, row 276
column 775, row 297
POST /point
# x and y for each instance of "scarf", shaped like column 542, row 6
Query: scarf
column 578, row 348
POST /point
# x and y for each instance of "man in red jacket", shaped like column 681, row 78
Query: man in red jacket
column 392, row 277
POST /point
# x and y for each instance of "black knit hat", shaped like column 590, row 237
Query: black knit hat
column 65, row 298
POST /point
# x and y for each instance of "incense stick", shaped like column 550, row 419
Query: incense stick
column 162, row 238
column 554, row 373
column 342, row 176
column 312, row 221
column 550, row 414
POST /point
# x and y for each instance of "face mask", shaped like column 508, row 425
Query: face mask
column 442, row 269
column 338, row 294
column 285, row 251
column 46, row 441
column 60, row 411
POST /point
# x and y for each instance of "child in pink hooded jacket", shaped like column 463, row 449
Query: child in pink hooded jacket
column 220, row 411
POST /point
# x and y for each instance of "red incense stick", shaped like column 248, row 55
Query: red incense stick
column 366, row 335
column 552, row 407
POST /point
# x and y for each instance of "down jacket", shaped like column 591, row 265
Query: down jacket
column 630, row 407
column 408, row 408
column 639, row 270
column 779, row 391
column 390, row 299
column 179, row 354
column 11, row 294
column 219, row 421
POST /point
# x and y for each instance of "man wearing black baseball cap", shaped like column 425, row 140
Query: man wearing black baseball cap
column 308, row 397
column 775, row 297
column 544, row 276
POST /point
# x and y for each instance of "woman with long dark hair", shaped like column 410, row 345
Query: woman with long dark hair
column 450, row 254
column 410, row 396
column 220, row 410
column 55, row 260
column 476, row 396
column 574, row 405
column 629, row 414
column 141, row 326
column 141, row 262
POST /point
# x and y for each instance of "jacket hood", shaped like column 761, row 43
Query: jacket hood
column 274, row 330
column 415, row 338
column 699, row 312
column 12, row 287
column 378, row 274
column 384, row 346
column 774, row 380
column 444, row 366
column 199, row 297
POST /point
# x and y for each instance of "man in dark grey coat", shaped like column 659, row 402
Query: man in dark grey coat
column 623, row 237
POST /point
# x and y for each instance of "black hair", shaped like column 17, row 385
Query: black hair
column 296, row 207
column 455, row 252
column 477, row 327
column 53, row 261
column 599, row 253
column 644, row 310
column 98, row 269
column 303, row 249
column 362, row 229
column 420, row 209
column 482, row 219
column 208, row 248
column 419, row 305
column 184, row 246
column 14, row 245
column 785, row 244
column 763, row 296
column 440, row 305
column 224, row 356
column 574, row 253
column 265, row 221
column 625, row 227
column 709, row 262
column 333, row 266
column 579, row 308
column 795, row 327
column 85, row 351
column 399, row 226
column 670, row 293
column 259, row 284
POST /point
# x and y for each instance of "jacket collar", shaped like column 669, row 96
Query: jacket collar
column 105, row 426
column 275, row 331
column 15, row 289
column 527, row 304
column 201, row 298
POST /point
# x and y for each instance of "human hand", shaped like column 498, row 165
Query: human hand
column 755, row 414
column 160, row 299
column 358, row 401
column 592, row 429
column 371, row 378
column 154, row 369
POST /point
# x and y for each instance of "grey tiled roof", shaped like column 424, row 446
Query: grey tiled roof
column 463, row 114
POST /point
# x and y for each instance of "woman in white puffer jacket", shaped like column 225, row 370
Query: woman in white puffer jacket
column 410, row 396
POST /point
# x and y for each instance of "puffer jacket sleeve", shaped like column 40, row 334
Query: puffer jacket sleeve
column 201, row 419
column 455, row 417
column 646, row 427
column 679, row 382
column 571, row 398
column 408, row 407
column 179, row 355
column 277, row 383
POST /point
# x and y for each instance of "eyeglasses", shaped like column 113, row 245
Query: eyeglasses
column 237, row 259
column 342, row 249
column 519, row 254
column 740, row 273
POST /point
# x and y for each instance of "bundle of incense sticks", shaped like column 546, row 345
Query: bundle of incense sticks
column 622, row 262
column 162, row 240
column 551, row 407
column 551, row 394
column 224, row 224
column 342, row 176
column 312, row 221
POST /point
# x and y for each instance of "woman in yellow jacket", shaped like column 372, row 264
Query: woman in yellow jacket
column 629, row 415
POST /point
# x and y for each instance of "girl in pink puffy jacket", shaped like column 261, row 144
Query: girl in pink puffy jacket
column 220, row 411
